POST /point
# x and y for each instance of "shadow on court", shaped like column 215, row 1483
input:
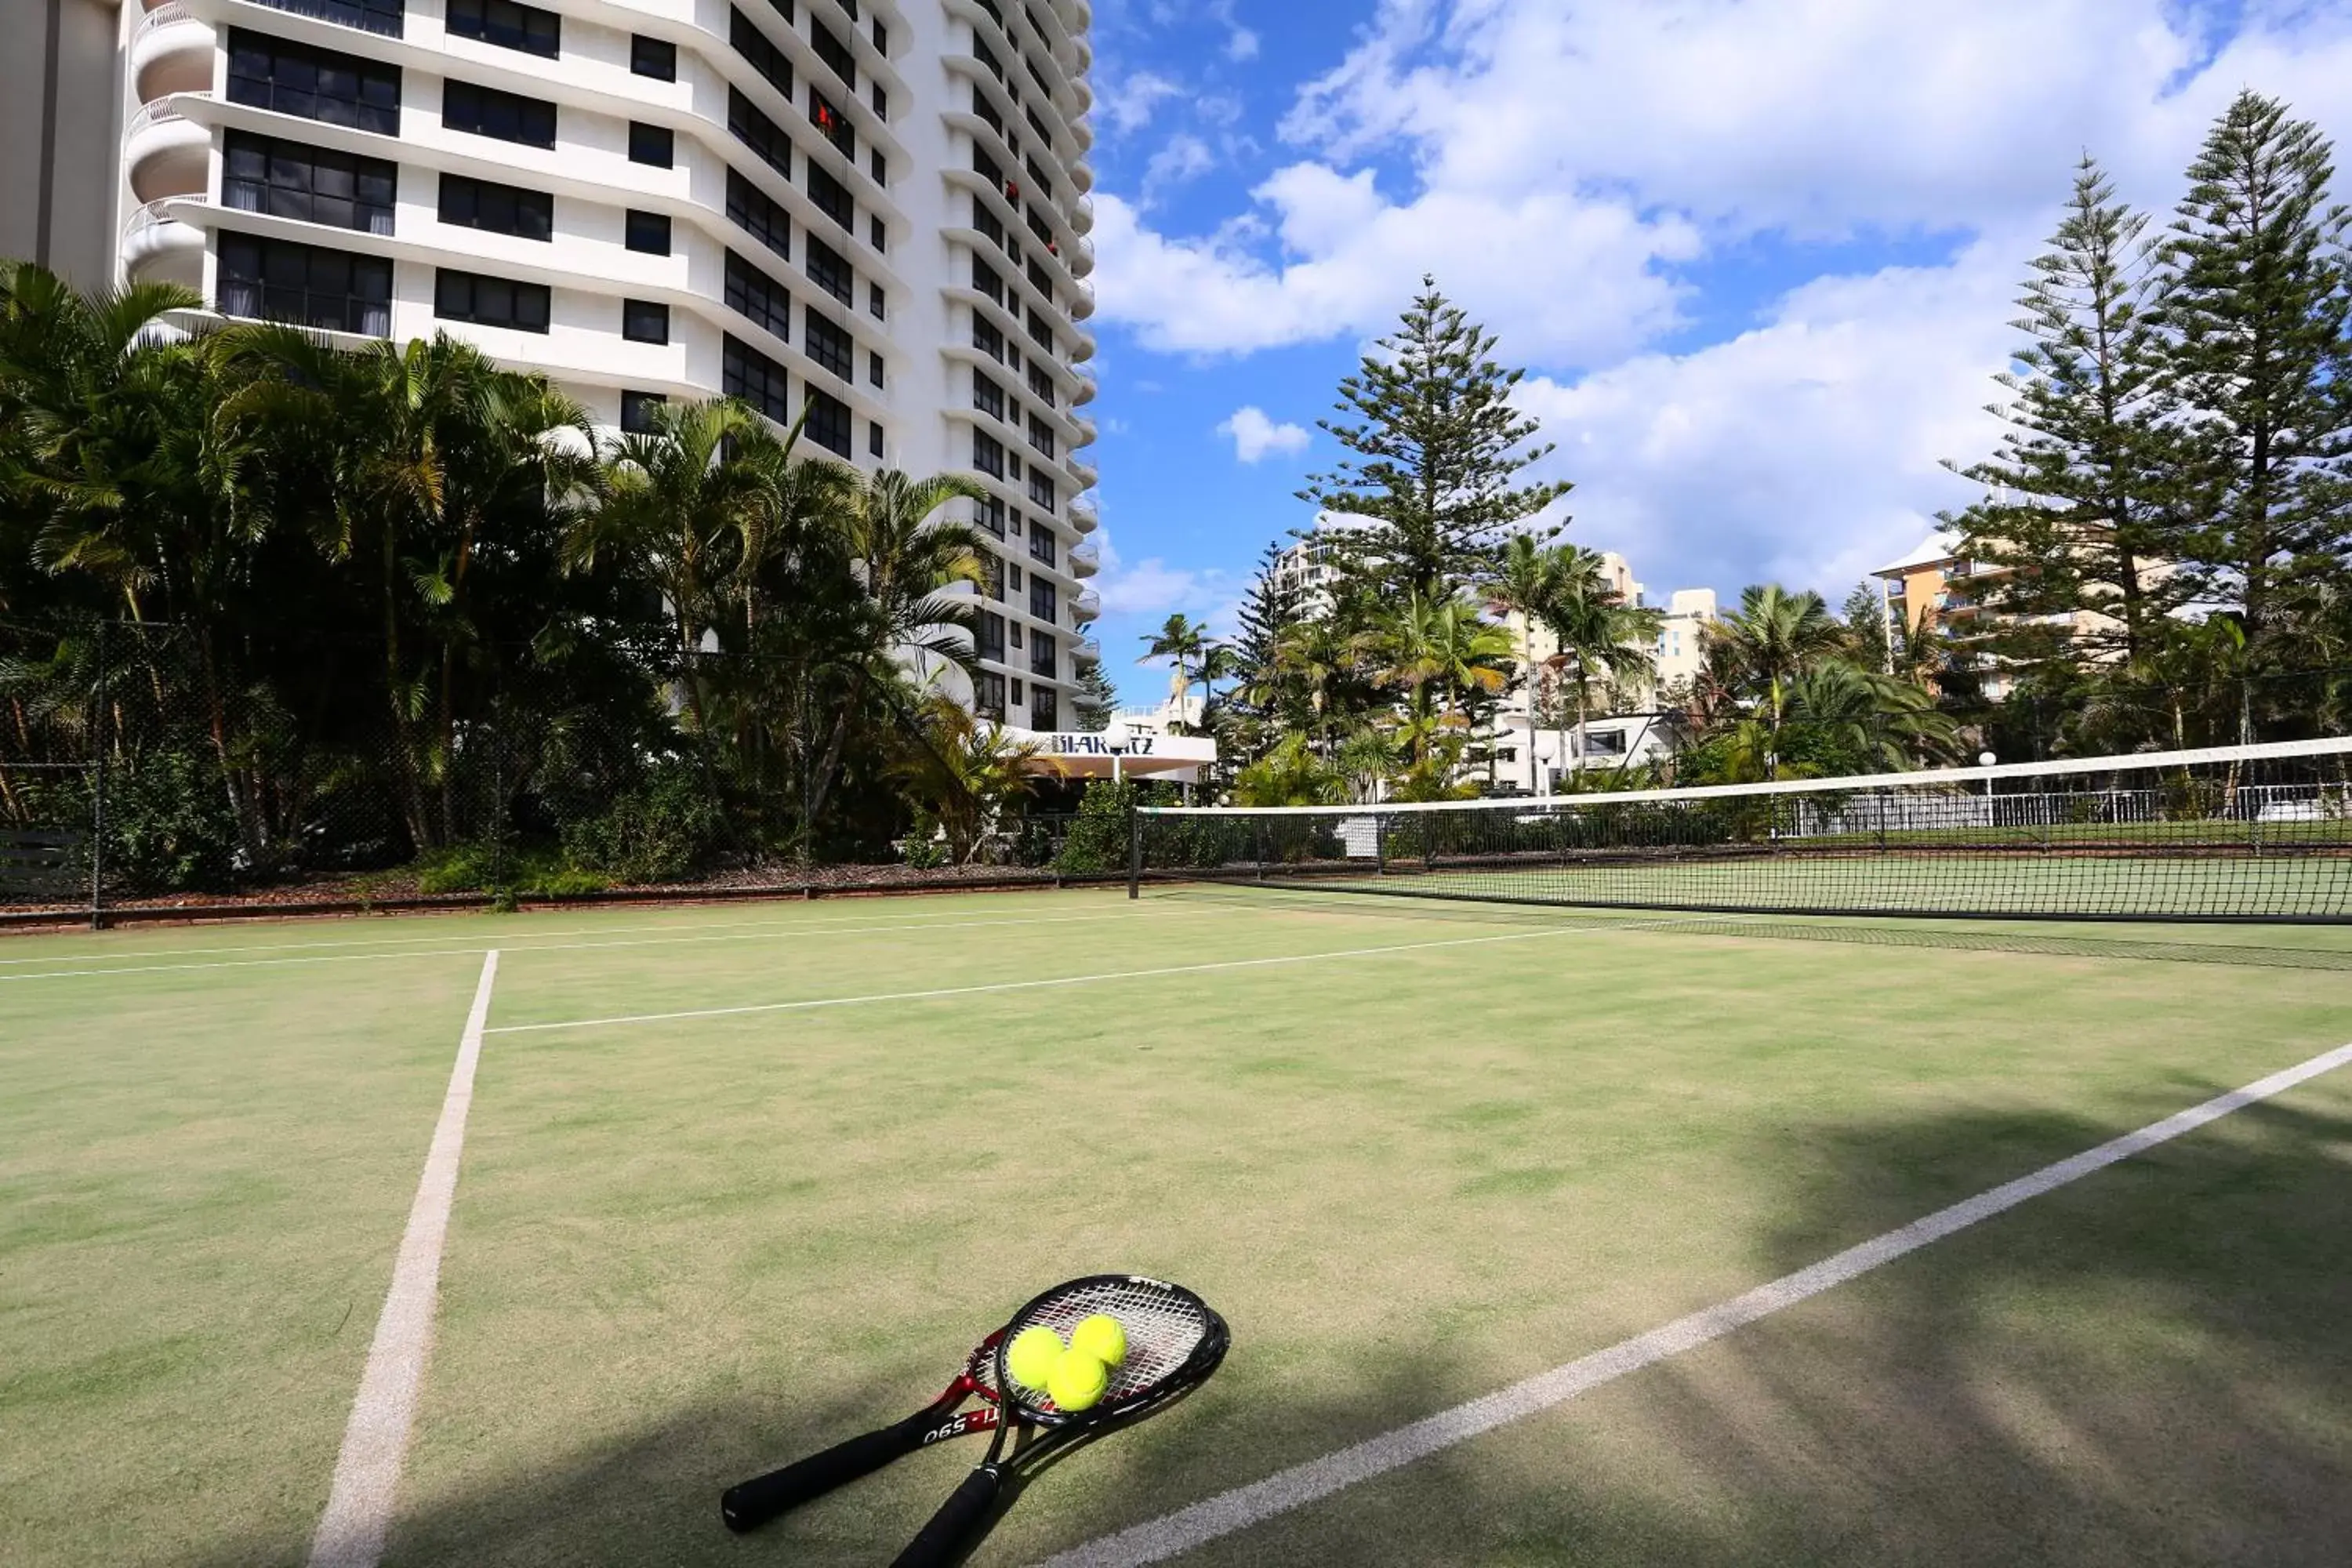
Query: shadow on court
column 2151, row 1366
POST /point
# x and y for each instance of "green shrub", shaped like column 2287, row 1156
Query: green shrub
column 1097, row 841
column 169, row 825
column 922, row 847
column 459, row 869
column 664, row 830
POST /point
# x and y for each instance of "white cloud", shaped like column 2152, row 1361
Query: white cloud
column 1185, row 157
column 1127, row 104
column 1254, row 436
column 1152, row 588
column 1240, row 45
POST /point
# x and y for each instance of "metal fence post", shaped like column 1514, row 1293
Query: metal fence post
column 98, row 785
column 1379, row 844
column 1134, row 849
column 1257, row 833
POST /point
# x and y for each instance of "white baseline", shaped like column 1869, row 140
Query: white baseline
column 375, row 1442
column 1162, row 1538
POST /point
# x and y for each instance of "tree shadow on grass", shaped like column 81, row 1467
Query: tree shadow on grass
column 2153, row 1365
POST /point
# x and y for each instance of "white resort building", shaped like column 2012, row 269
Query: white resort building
column 875, row 214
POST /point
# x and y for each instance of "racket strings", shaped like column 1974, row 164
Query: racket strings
column 1164, row 1328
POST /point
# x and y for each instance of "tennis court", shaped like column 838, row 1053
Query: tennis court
column 739, row 1181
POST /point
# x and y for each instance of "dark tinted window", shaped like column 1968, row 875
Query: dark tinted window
column 874, row 439
column 758, row 297
column 988, row 636
column 287, row 179
column 825, row 342
column 384, row 16
column 656, row 58
column 501, row 209
column 507, row 116
column 1041, row 599
column 988, row 692
column 1041, row 435
column 759, row 132
column 650, row 144
column 1041, row 544
column 1045, row 713
column 745, row 373
column 836, row 55
column 988, row 453
column 509, row 26
column 1042, row 650
column 828, row 422
column 637, row 411
column 1041, row 491
column 986, row 396
column 649, row 232
column 491, row 301
column 316, row 84
column 832, row 198
column 750, row 210
column 987, row 338
column 831, row 124
column 275, row 281
column 644, row 321
column 763, row 55
column 828, row 270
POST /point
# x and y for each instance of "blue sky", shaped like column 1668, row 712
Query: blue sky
column 1758, row 256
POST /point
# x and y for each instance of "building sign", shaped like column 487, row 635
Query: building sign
column 1079, row 743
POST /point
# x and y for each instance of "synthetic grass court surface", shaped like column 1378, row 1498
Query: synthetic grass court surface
column 685, row 1250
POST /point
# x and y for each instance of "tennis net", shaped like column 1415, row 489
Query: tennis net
column 2230, row 833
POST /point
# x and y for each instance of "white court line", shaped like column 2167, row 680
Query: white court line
column 375, row 1443
column 1033, row 985
column 1162, row 1538
column 469, row 949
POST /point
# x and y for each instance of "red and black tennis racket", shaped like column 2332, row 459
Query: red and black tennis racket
column 1173, row 1343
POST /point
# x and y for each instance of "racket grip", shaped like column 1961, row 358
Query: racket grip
column 750, row 1504
column 943, row 1539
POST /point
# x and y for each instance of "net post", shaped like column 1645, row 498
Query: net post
column 98, row 785
column 1134, row 850
column 1257, row 835
column 1380, row 842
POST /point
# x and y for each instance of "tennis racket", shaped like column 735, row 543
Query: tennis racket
column 1173, row 1343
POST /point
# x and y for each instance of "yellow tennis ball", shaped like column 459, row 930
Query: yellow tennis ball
column 1101, row 1337
column 1032, row 1356
column 1078, row 1381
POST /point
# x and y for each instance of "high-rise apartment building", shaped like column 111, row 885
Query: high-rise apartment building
column 871, row 215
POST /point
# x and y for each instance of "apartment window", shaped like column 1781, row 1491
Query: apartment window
column 1041, row 599
column 762, row 55
column 986, row 396
column 992, row 577
column 881, row 36
column 637, row 412
column 1041, row 546
column 988, row 695
column 1040, row 436
column 989, row 514
column 1041, row 385
column 1039, row 278
column 987, row 338
column 307, row 285
column 830, row 124
column 745, row 373
column 758, row 297
column 647, row 232
column 828, row 422
column 509, row 26
column 985, row 222
column 985, row 167
column 759, row 132
column 1044, row 712
column 654, row 58
column 1041, row 491
column 651, row 144
column 1015, row 628
column 874, row 301
column 874, row 439
column 988, row 636
column 878, row 167
column 880, row 100
column 1040, row 331
column 984, row 279
column 873, row 367
column 1014, row 524
column 491, row 301
column 313, row 184
column 501, row 209
column 836, row 55
column 1016, row 691
column 316, row 84
column 755, row 214
column 825, row 342
column 831, row 197
column 783, row 8
column 988, row 453
column 384, row 16
column 829, row 270
column 644, row 321
column 506, row 116
column 1042, row 650
column 1014, row 572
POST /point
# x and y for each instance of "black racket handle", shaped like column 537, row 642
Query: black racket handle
column 951, row 1528
column 750, row 1504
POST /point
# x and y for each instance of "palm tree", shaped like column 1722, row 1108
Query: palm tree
column 966, row 773
column 1444, row 656
column 904, row 558
column 1184, row 643
column 1314, row 664
column 1884, row 724
column 1774, row 635
column 1526, row 587
column 1598, row 633
column 1290, row 775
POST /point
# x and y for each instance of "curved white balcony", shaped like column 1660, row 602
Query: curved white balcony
column 1088, row 433
column 1082, row 302
column 171, row 51
column 1085, row 604
column 1081, row 259
column 159, row 249
column 1084, row 393
column 1085, row 650
column 1083, row 516
column 1085, row 558
column 165, row 153
column 1088, row 475
column 1082, row 215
